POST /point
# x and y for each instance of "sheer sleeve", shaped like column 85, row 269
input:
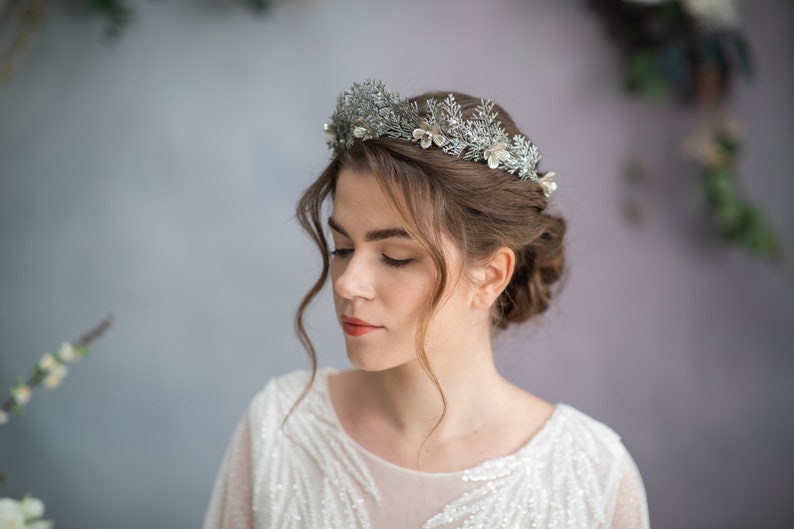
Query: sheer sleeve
column 231, row 505
column 631, row 506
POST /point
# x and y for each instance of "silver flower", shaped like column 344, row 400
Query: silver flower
column 496, row 154
column 330, row 135
column 364, row 131
column 548, row 184
column 367, row 110
column 428, row 134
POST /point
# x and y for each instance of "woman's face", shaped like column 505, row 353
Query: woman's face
column 382, row 280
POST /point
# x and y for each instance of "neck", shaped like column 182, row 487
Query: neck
column 395, row 413
column 406, row 398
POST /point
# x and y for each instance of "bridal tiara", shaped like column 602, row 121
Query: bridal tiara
column 367, row 110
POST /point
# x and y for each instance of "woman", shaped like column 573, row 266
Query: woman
column 439, row 237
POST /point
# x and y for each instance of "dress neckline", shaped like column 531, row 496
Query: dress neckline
column 321, row 386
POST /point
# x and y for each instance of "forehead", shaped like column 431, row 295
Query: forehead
column 360, row 202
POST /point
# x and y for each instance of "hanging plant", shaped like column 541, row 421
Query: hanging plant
column 681, row 49
column 716, row 150
column 21, row 19
column 692, row 51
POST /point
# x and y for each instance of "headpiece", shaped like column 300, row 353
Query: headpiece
column 366, row 111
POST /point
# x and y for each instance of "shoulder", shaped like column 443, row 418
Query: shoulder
column 606, row 461
column 281, row 408
column 585, row 454
column 574, row 436
column 281, row 393
column 574, row 464
column 584, row 430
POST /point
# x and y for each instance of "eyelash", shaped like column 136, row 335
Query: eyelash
column 394, row 263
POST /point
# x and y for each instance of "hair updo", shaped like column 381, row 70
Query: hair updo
column 478, row 208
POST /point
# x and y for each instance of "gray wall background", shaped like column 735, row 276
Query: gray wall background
column 155, row 177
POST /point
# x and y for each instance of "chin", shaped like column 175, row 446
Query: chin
column 374, row 360
column 371, row 363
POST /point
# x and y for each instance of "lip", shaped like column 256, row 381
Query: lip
column 357, row 327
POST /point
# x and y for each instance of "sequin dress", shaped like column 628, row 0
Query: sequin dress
column 574, row 473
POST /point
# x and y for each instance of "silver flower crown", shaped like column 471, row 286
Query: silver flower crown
column 366, row 111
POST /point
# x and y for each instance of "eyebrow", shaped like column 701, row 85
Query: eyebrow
column 374, row 235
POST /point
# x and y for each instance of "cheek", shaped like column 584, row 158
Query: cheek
column 454, row 314
column 409, row 296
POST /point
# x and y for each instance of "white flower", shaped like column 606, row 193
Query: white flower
column 704, row 148
column 731, row 128
column 496, row 154
column 40, row 524
column 364, row 131
column 21, row 394
column 8, row 505
column 713, row 13
column 31, row 508
column 66, row 353
column 54, row 378
column 3, row 417
column 22, row 514
column 48, row 362
column 548, row 184
column 10, row 517
column 330, row 135
column 428, row 134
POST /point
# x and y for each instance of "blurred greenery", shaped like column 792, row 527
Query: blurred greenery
column 644, row 76
column 21, row 19
column 736, row 218
column 669, row 53
column 117, row 13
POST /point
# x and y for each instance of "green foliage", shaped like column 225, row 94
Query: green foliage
column 737, row 219
column 644, row 76
column 50, row 370
column 51, row 365
column 258, row 5
column 117, row 12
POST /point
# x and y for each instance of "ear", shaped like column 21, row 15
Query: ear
column 492, row 278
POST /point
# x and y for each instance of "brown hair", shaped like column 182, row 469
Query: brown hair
column 478, row 208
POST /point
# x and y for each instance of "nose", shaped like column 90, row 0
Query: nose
column 355, row 281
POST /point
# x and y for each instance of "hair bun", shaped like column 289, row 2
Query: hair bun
column 539, row 265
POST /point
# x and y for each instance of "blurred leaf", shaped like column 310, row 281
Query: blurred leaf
column 742, row 55
column 673, row 65
column 756, row 234
column 259, row 5
column 736, row 218
column 728, row 145
column 718, row 186
column 117, row 12
column 671, row 13
column 644, row 76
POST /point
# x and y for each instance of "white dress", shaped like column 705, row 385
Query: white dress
column 309, row 474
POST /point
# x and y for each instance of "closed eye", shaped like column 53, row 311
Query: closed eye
column 396, row 263
column 341, row 252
